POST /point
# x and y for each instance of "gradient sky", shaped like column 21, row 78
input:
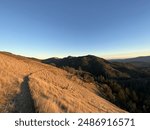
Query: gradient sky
column 47, row 28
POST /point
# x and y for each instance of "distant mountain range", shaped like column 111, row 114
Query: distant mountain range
column 143, row 61
column 136, row 59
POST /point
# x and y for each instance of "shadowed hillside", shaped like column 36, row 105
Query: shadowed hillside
column 125, row 84
column 92, row 64
column 26, row 85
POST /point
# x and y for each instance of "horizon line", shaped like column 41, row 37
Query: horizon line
column 107, row 57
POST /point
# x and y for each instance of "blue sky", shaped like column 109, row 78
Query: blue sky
column 47, row 28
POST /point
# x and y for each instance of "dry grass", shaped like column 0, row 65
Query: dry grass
column 53, row 92
column 9, row 86
column 52, row 89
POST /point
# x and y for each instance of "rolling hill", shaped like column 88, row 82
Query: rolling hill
column 94, row 65
column 98, row 66
column 27, row 85
column 125, row 84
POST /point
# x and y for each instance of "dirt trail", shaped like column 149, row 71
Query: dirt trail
column 23, row 102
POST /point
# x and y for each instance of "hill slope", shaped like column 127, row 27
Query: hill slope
column 95, row 65
column 124, row 84
column 98, row 66
column 27, row 85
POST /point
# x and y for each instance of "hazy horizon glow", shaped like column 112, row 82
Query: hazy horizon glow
column 105, row 28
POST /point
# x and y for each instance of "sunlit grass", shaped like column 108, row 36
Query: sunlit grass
column 52, row 89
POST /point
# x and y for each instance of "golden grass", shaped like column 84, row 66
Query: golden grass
column 52, row 89
column 9, row 86
column 54, row 92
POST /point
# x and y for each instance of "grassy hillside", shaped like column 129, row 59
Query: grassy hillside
column 26, row 85
column 124, row 84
